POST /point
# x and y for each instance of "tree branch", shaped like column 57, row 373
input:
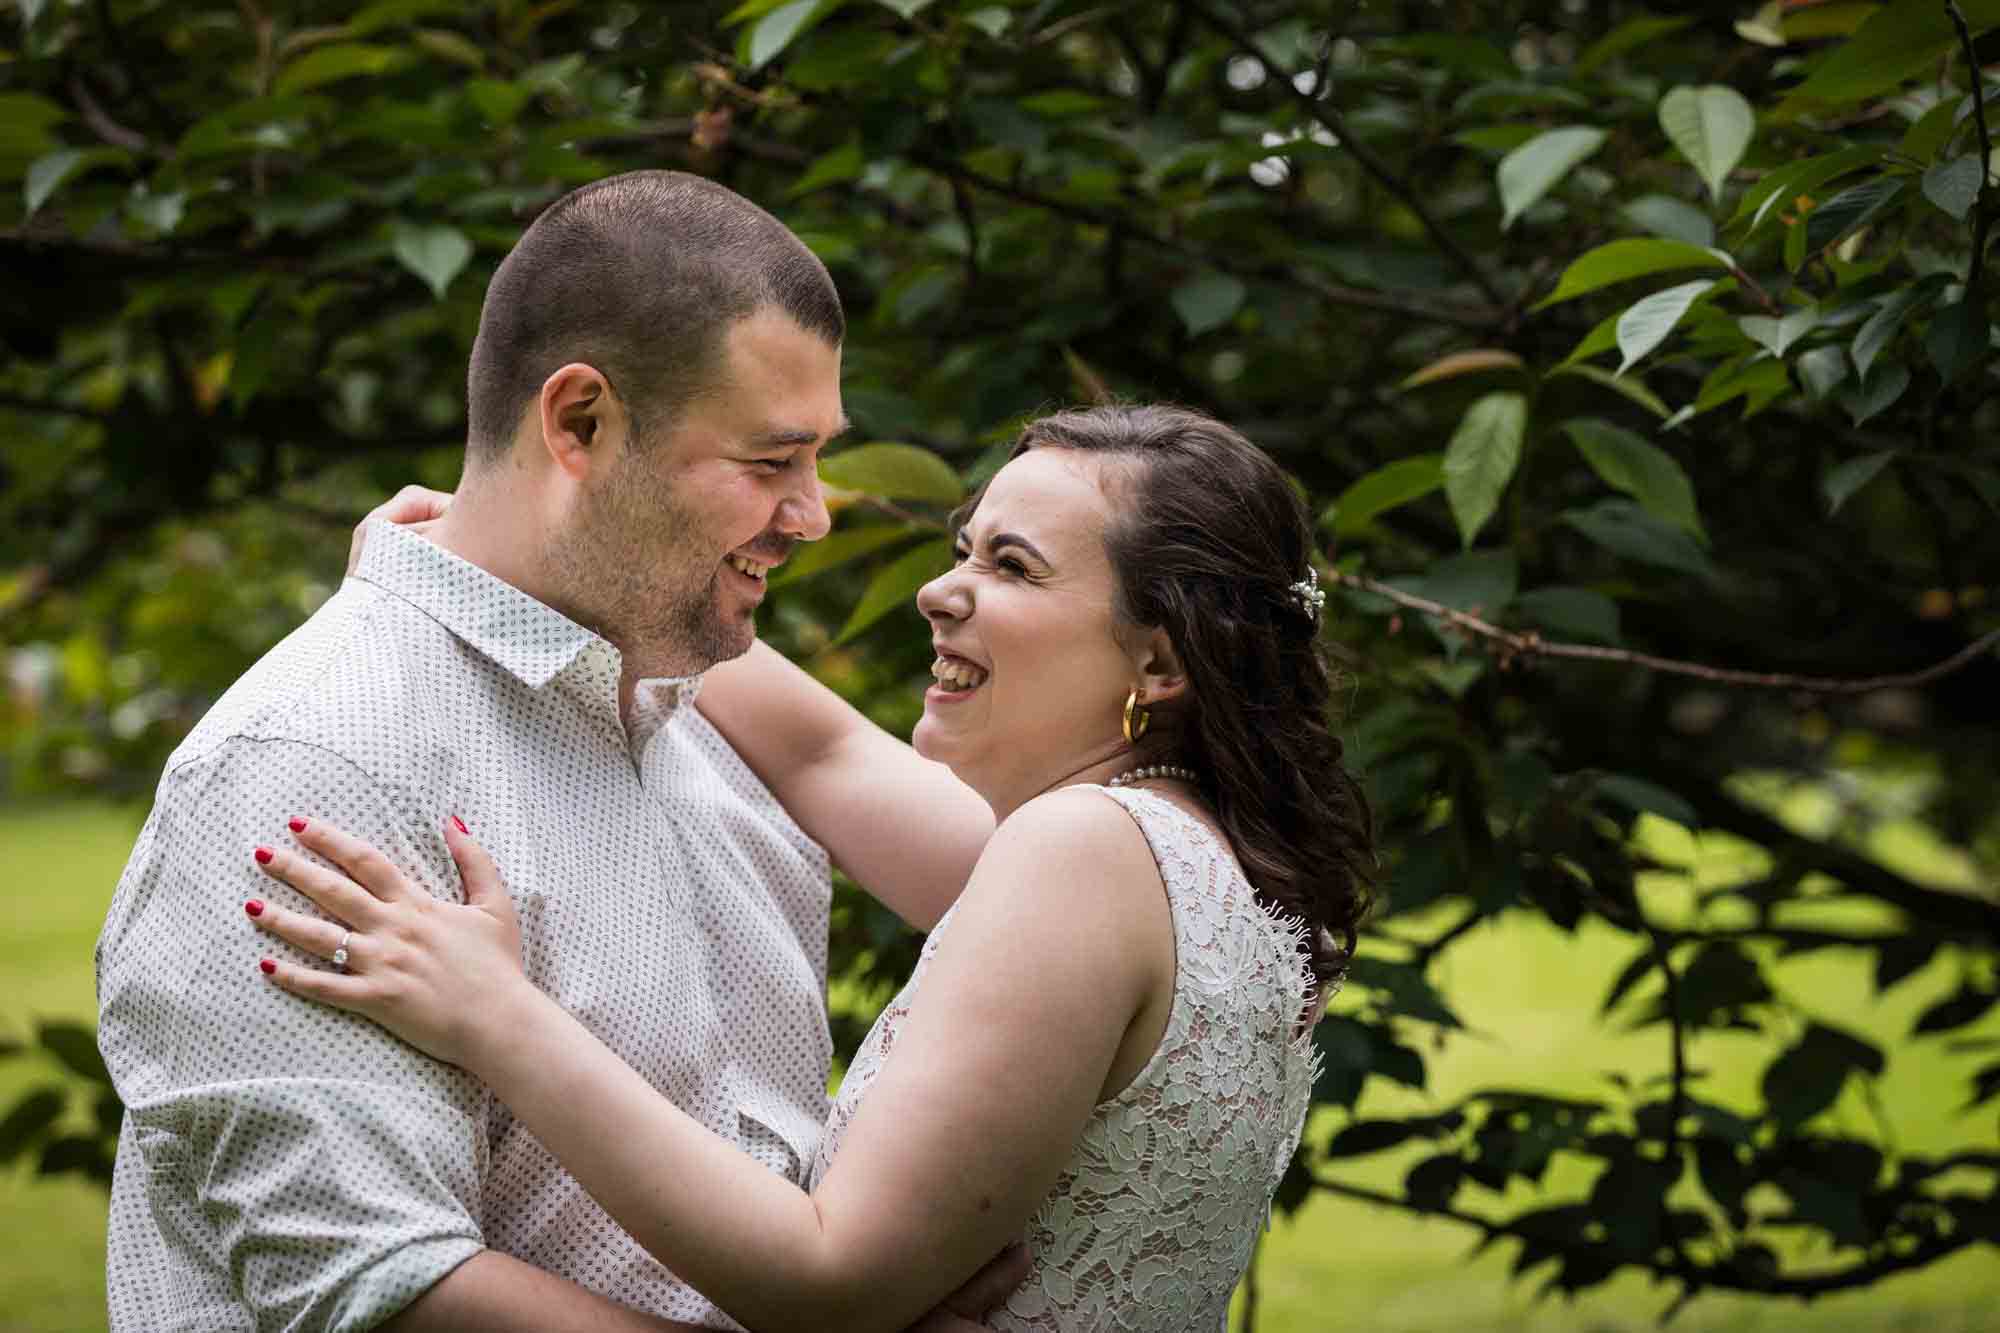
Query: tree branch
column 1334, row 293
column 1983, row 208
column 1370, row 162
column 1528, row 644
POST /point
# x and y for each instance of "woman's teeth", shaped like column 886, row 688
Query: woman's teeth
column 748, row 568
column 957, row 674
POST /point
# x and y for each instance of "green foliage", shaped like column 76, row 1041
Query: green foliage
column 245, row 262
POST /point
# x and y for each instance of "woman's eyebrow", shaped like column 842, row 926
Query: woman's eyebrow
column 1000, row 539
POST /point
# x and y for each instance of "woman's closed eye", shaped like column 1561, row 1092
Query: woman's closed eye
column 1006, row 564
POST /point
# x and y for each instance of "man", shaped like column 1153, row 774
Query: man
column 656, row 370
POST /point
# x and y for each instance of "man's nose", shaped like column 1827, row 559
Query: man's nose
column 803, row 514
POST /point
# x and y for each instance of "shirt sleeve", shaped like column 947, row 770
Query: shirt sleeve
column 326, row 1171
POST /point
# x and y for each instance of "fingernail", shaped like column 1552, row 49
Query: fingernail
column 254, row 907
column 297, row 826
column 461, row 825
column 263, row 858
column 267, row 967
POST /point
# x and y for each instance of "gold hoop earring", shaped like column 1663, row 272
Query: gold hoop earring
column 1137, row 718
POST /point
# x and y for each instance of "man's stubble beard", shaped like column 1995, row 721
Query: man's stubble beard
column 626, row 571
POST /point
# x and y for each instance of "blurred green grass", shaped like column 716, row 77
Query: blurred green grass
column 1529, row 993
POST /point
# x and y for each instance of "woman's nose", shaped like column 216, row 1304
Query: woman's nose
column 943, row 598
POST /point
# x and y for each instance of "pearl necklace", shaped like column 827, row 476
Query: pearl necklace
column 1149, row 771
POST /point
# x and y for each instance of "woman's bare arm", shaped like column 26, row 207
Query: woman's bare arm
column 904, row 827
column 1063, row 939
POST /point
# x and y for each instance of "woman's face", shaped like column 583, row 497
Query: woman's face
column 1031, row 676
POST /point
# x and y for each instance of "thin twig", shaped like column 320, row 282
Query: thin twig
column 1530, row 645
column 1982, row 206
column 1370, row 161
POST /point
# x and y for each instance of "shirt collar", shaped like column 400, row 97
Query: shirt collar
column 529, row 640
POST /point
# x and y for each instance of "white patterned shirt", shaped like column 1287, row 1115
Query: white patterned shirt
column 289, row 1166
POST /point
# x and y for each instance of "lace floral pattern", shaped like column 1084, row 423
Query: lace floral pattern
column 1152, row 1222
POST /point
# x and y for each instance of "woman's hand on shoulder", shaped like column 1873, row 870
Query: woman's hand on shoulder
column 418, row 506
column 439, row 975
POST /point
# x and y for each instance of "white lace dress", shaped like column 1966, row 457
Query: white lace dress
column 1152, row 1222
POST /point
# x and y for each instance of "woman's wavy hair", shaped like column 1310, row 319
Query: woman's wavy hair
column 1206, row 538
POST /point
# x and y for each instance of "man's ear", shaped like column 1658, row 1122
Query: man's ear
column 581, row 421
column 1161, row 675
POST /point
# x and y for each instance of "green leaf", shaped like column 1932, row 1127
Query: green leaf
column 783, row 25
column 1954, row 186
column 896, row 583
column 160, row 213
column 837, row 549
column 1384, row 489
column 76, row 1046
column 1473, row 362
column 992, row 20
column 25, row 122
column 1674, row 219
column 28, row 1120
column 1853, row 207
column 1532, row 170
column 1629, row 387
column 1932, row 131
column 1807, row 1077
column 1957, row 337
column 1642, row 470
column 1643, row 797
column 343, row 60
column 1571, row 613
column 1632, row 257
column 1776, row 336
column 837, row 167
column 1208, row 300
column 1964, row 1006
column 1712, row 127
column 1630, row 35
column 907, row 9
column 1821, row 371
column 1646, row 324
column 48, row 172
column 1481, row 458
column 1063, row 104
column 1877, row 392
column 1903, row 39
column 1783, row 184
column 1410, row 994
column 1889, row 318
column 1623, row 528
column 1843, row 480
column 437, row 254
column 894, row 472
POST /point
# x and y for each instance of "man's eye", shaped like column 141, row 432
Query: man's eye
column 959, row 554
column 1008, row 564
column 772, row 465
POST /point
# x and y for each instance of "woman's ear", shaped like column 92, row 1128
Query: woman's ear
column 1161, row 675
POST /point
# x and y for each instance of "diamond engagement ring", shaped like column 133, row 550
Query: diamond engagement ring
column 340, row 950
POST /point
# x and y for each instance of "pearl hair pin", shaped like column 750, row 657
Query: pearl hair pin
column 1149, row 771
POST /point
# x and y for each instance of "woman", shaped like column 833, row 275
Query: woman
column 1106, row 1042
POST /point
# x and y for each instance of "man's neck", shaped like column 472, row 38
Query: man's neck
column 500, row 535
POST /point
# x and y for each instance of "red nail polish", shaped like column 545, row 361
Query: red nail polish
column 254, row 907
column 267, row 967
column 297, row 825
column 263, row 856
column 461, row 825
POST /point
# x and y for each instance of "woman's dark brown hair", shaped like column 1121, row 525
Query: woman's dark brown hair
column 1206, row 538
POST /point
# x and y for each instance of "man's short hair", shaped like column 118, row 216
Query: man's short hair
column 641, row 276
